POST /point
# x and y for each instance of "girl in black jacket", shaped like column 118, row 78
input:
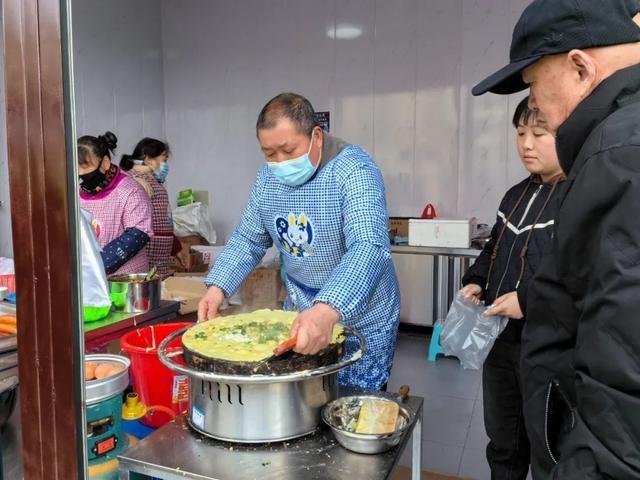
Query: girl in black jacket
column 500, row 277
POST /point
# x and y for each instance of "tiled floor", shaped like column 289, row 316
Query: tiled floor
column 454, row 438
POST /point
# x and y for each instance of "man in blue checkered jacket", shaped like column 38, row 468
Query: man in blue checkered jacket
column 322, row 202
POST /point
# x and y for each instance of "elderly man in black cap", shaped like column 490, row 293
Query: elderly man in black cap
column 581, row 344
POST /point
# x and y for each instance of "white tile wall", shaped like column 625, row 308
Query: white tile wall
column 197, row 72
column 400, row 89
column 488, row 158
column 118, row 69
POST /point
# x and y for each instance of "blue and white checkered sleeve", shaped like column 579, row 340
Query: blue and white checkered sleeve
column 367, row 240
column 245, row 248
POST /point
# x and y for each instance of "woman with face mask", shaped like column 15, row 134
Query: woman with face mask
column 148, row 165
column 120, row 207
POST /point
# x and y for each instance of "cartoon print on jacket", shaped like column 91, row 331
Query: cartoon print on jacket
column 295, row 234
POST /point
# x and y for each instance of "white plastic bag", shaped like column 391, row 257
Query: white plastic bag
column 193, row 220
column 95, row 292
column 7, row 266
column 468, row 335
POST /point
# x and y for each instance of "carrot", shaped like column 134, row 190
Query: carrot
column 8, row 319
column 8, row 329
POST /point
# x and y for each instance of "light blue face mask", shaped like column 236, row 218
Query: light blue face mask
column 294, row 172
column 161, row 174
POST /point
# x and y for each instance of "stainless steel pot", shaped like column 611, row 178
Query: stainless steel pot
column 133, row 293
column 102, row 389
column 258, row 408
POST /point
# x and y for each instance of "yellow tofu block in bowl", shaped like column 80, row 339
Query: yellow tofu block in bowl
column 377, row 417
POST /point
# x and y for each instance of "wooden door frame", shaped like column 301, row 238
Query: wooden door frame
column 44, row 219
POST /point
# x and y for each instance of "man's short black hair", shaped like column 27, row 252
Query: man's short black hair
column 523, row 114
column 288, row 105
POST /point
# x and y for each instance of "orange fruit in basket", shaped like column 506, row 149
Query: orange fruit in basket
column 103, row 369
column 90, row 370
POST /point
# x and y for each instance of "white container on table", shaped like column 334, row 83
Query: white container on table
column 439, row 233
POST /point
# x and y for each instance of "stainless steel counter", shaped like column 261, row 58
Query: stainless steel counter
column 176, row 452
column 436, row 251
column 119, row 321
column 103, row 336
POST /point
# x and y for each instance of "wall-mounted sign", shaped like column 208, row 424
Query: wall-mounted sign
column 323, row 120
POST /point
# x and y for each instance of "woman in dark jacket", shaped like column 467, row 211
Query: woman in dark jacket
column 500, row 276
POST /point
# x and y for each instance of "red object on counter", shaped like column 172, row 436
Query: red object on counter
column 429, row 212
column 154, row 383
column 8, row 281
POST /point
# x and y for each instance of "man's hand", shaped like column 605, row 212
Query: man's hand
column 210, row 304
column 472, row 293
column 314, row 328
column 507, row 305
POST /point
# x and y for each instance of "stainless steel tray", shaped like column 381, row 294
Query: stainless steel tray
column 8, row 360
column 7, row 308
column 8, row 379
column 8, row 343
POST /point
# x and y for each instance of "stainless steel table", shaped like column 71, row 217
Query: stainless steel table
column 176, row 452
column 437, row 251
column 449, row 266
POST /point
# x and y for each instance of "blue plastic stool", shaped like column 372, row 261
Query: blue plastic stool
column 434, row 347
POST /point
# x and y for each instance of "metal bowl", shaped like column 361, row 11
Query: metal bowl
column 341, row 416
column 133, row 293
column 104, row 388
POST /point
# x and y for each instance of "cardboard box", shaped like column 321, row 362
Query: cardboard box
column 399, row 225
column 262, row 289
column 188, row 290
column 439, row 233
column 209, row 252
column 193, row 261
column 191, row 240
column 399, row 229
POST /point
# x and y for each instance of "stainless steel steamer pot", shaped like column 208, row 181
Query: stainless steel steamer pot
column 258, row 408
column 132, row 293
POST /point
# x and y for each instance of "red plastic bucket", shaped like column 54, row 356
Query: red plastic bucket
column 8, row 281
column 154, row 383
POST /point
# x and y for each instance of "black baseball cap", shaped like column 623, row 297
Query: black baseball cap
column 549, row 27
